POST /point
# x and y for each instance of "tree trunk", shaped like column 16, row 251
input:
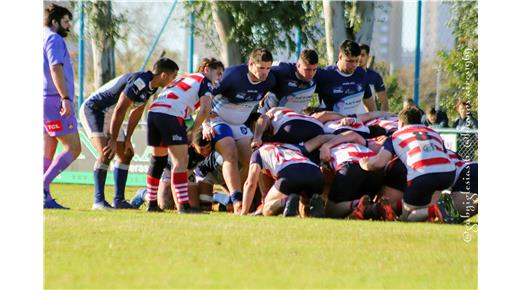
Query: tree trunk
column 223, row 24
column 366, row 12
column 102, row 43
column 335, row 27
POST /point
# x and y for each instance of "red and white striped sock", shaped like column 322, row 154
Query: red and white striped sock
column 152, row 185
column 180, row 186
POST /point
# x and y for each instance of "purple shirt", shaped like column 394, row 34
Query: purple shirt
column 55, row 52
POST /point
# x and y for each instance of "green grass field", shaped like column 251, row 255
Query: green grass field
column 135, row 249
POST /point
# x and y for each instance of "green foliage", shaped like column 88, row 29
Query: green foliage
column 395, row 93
column 103, row 23
column 461, row 64
column 269, row 24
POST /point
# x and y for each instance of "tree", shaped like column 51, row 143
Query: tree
column 335, row 27
column 461, row 63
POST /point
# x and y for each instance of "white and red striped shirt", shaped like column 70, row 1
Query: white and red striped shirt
column 182, row 97
column 348, row 152
column 273, row 157
column 421, row 149
column 387, row 123
column 331, row 127
column 285, row 115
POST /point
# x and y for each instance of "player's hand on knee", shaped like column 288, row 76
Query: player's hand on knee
column 110, row 149
column 208, row 132
column 129, row 148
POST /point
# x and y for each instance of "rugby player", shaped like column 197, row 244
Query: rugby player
column 236, row 97
column 343, row 87
column 375, row 81
column 102, row 116
column 167, row 130
column 60, row 124
column 428, row 165
column 294, row 83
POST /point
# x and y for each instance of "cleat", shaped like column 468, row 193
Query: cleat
column 122, row 204
column 153, row 207
column 187, row 209
column 291, row 205
column 387, row 212
column 317, row 206
column 52, row 204
column 139, row 198
column 102, row 205
column 442, row 215
column 453, row 213
column 359, row 211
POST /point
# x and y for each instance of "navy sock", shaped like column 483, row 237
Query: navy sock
column 120, row 176
column 236, row 196
column 100, row 176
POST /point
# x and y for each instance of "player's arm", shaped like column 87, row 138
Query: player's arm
column 204, row 111
column 133, row 119
column 376, row 162
column 316, row 142
column 345, row 137
column 383, row 98
column 261, row 125
column 250, row 187
column 370, row 104
column 325, row 116
column 58, row 78
column 269, row 101
column 115, row 124
column 365, row 117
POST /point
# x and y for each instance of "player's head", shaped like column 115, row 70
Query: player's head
column 409, row 103
column 307, row 64
column 348, row 56
column 202, row 146
column 165, row 71
column 212, row 68
column 363, row 56
column 57, row 18
column 410, row 116
column 259, row 64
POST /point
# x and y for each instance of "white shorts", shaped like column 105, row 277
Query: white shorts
column 224, row 129
column 97, row 124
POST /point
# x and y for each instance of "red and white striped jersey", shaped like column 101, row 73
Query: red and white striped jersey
column 421, row 149
column 332, row 126
column 182, row 97
column 273, row 157
column 348, row 152
column 387, row 123
column 285, row 115
column 459, row 163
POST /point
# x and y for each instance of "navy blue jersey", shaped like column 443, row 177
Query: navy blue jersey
column 340, row 92
column 375, row 81
column 290, row 91
column 211, row 164
column 236, row 96
column 136, row 86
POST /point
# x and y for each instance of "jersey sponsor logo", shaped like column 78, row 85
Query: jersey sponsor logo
column 176, row 138
column 243, row 130
column 139, row 83
column 337, row 90
column 54, row 126
column 292, row 84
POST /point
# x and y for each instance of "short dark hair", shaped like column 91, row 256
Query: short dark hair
column 410, row 116
column 54, row 12
column 260, row 54
column 309, row 56
column 365, row 47
column 212, row 63
column 350, row 47
column 198, row 138
column 165, row 65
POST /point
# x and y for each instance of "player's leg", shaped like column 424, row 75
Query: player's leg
column 100, row 173
column 274, row 202
column 226, row 147
column 179, row 176
column 244, row 155
column 49, row 149
column 165, row 198
column 121, row 167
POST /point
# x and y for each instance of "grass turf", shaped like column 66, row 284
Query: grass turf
column 135, row 249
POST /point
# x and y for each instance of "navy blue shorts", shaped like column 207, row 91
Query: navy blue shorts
column 352, row 182
column 165, row 130
column 300, row 178
column 420, row 189
column 395, row 175
column 468, row 179
column 296, row 131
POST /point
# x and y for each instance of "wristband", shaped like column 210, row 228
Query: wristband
column 65, row 98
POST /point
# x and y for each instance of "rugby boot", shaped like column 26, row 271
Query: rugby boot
column 51, row 203
column 359, row 211
column 291, row 205
column 316, row 206
column 187, row 209
column 387, row 212
column 153, row 207
column 102, row 205
column 122, row 204
column 139, row 198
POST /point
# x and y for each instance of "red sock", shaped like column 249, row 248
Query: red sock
column 399, row 207
column 152, row 185
column 431, row 210
column 180, row 186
